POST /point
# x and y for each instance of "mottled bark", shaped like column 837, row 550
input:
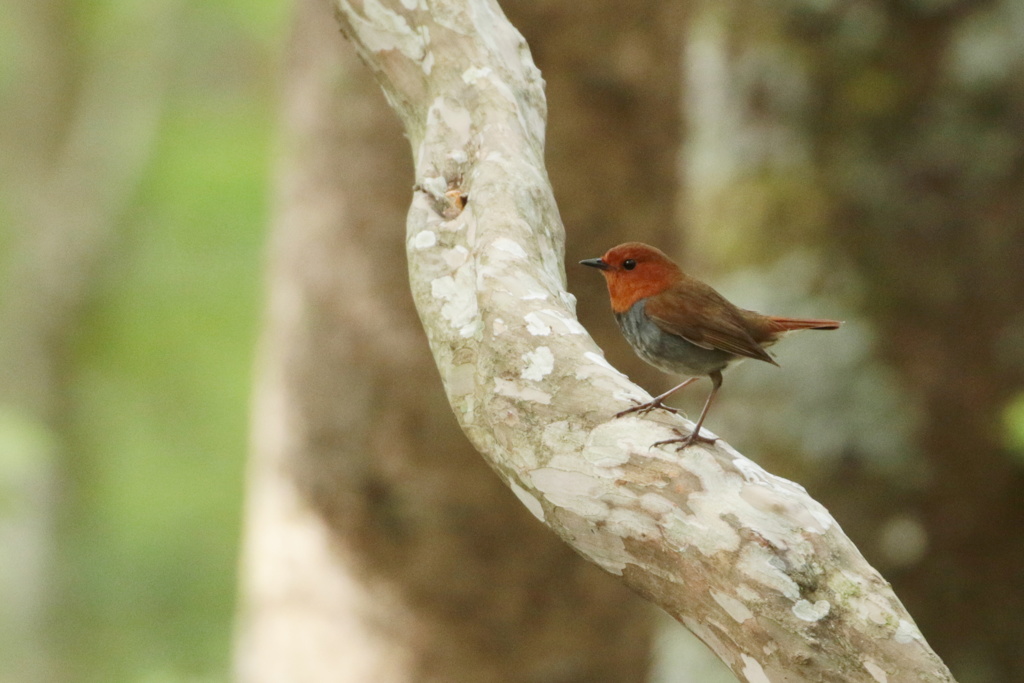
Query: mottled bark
column 379, row 545
column 892, row 136
column 746, row 560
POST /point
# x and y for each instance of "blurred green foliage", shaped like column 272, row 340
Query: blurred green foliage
column 159, row 408
column 1013, row 420
column 150, row 474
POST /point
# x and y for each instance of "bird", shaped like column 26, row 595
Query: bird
column 682, row 326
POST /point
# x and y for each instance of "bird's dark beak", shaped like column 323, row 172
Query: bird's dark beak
column 595, row 263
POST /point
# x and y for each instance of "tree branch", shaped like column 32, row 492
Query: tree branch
column 746, row 560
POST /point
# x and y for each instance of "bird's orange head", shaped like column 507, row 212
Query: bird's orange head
column 635, row 271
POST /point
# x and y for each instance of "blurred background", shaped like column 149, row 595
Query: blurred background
column 201, row 229
column 135, row 144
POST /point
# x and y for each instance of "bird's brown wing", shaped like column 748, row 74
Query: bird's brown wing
column 702, row 316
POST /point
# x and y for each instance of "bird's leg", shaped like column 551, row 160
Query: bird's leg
column 689, row 439
column 656, row 402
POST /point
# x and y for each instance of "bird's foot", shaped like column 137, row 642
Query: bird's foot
column 644, row 408
column 685, row 440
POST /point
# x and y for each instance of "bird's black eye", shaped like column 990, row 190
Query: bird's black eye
column 629, row 264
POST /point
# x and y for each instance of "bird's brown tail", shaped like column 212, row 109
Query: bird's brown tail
column 786, row 324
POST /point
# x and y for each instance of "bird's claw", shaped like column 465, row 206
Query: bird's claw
column 685, row 441
column 644, row 408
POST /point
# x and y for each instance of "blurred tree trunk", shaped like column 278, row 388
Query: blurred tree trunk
column 900, row 127
column 368, row 556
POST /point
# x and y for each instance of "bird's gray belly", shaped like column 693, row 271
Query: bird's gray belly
column 667, row 352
